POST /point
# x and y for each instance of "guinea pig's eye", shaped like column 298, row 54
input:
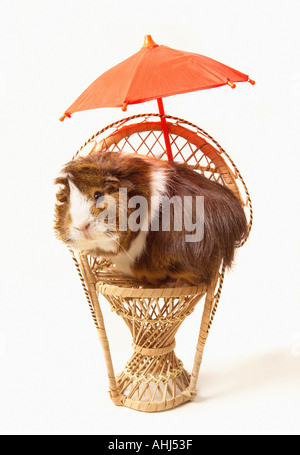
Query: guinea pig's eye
column 98, row 194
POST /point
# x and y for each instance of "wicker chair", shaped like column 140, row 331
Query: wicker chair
column 154, row 379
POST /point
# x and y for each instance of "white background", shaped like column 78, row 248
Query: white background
column 53, row 378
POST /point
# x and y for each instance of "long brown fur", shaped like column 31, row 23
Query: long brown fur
column 167, row 254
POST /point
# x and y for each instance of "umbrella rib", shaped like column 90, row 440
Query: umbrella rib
column 133, row 75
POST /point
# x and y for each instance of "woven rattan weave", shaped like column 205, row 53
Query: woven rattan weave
column 154, row 379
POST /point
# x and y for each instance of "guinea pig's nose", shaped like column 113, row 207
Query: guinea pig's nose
column 85, row 227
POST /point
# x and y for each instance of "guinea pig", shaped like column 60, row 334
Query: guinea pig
column 157, row 221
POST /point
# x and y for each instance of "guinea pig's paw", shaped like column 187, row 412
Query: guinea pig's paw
column 86, row 252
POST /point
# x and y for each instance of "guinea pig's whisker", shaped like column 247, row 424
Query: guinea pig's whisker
column 124, row 250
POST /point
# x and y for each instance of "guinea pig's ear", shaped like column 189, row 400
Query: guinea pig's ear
column 127, row 184
column 112, row 180
column 114, row 183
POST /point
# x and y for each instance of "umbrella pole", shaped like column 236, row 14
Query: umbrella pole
column 165, row 129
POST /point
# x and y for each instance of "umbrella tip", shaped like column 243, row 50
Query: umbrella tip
column 148, row 42
column 231, row 84
column 64, row 116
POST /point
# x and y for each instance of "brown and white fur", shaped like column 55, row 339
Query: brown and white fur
column 147, row 255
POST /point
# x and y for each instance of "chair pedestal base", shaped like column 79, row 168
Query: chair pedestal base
column 153, row 379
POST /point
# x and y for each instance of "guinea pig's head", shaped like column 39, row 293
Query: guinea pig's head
column 89, row 208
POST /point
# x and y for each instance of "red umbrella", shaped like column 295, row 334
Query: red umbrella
column 155, row 72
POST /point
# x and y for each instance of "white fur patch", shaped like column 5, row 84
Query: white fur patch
column 125, row 260
column 105, row 244
column 80, row 207
column 158, row 189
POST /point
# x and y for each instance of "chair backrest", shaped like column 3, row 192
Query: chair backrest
column 190, row 144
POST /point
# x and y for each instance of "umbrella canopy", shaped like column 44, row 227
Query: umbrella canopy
column 155, row 72
column 152, row 73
